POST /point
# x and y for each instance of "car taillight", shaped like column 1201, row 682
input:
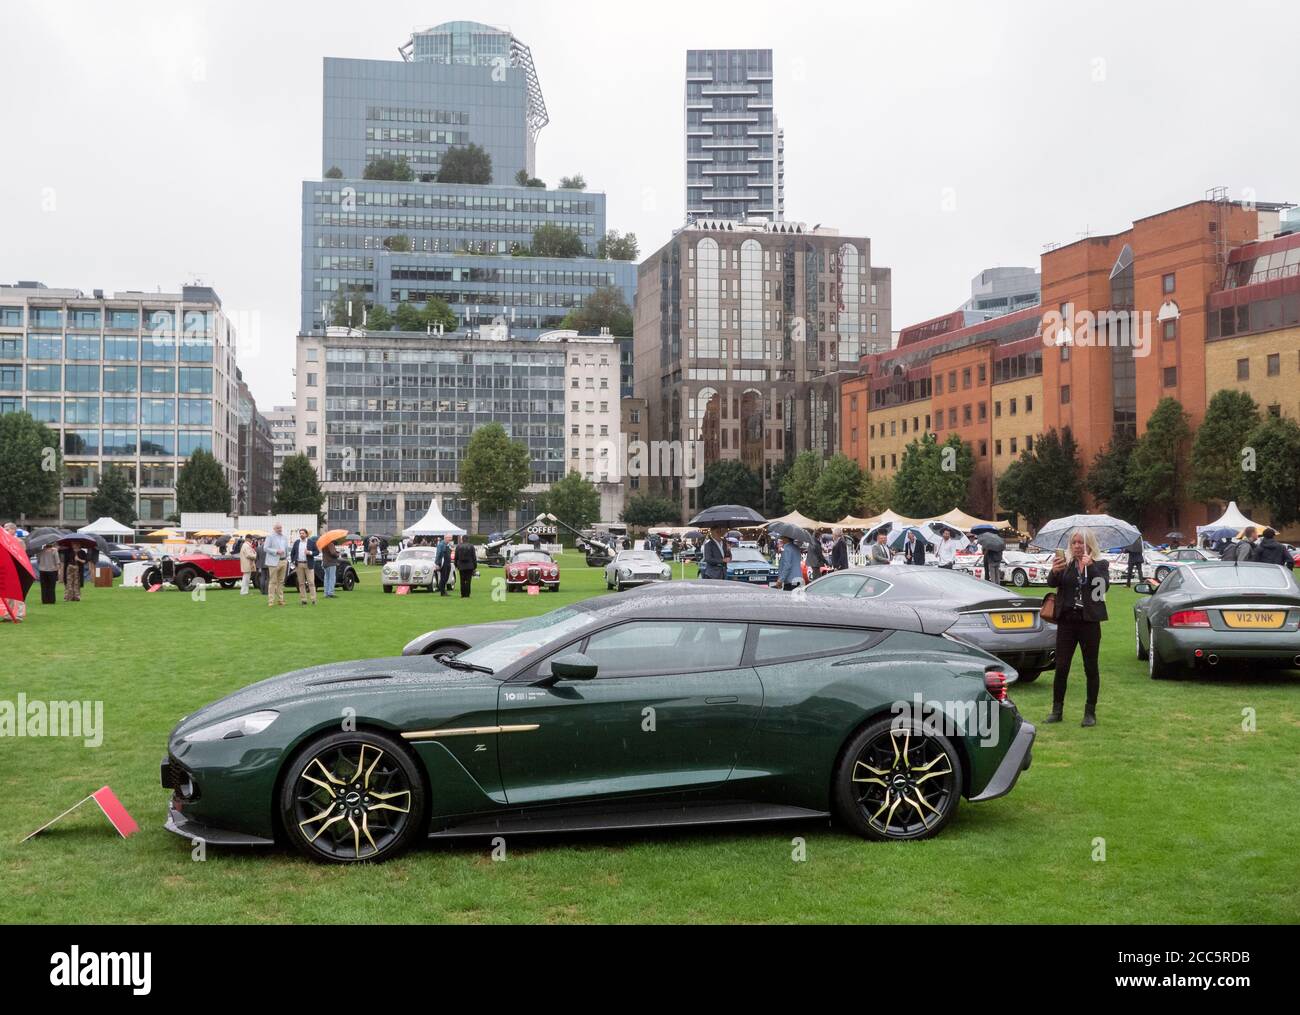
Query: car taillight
column 995, row 682
column 1190, row 618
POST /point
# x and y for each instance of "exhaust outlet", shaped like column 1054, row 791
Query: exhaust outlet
column 1296, row 660
column 1213, row 659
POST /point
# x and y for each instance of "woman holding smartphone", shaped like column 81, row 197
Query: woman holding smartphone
column 1081, row 581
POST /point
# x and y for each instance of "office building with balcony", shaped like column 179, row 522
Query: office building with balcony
column 735, row 149
column 742, row 335
column 283, row 434
column 134, row 380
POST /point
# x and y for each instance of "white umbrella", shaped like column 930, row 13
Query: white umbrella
column 1109, row 531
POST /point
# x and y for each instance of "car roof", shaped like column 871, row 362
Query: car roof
column 911, row 582
column 1246, row 571
column 768, row 606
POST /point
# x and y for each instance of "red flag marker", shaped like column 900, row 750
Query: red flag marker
column 403, row 590
column 112, row 807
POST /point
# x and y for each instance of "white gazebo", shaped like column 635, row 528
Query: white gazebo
column 1231, row 519
column 434, row 523
column 106, row 527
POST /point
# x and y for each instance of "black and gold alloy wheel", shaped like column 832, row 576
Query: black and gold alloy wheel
column 350, row 797
column 898, row 782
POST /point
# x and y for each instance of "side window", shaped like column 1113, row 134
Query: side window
column 846, row 585
column 873, row 587
column 776, row 643
column 666, row 646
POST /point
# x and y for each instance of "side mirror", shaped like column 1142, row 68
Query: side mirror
column 574, row 666
column 1144, row 589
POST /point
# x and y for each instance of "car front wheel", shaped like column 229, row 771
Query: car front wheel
column 1019, row 578
column 352, row 796
column 897, row 782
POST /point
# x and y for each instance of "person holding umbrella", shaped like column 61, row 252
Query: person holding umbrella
column 789, row 574
column 1080, row 580
column 717, row 554
column 47, row 564
column 913, row 549
column 839, row 551
column 329, row 560
column 75, row 558
column 993, row 545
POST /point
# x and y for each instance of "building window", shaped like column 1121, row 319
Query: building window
column 1243, row 369
column 997, row 449
column 311, row 380
column 1065, row 354
column 938, row 384
column 1169, row 283
column 1013, row 445
column 1029, row 442
column 983, row 374
column 1013, row 406
column 984, row 449
column 1171, row 377
column 1065, row 394
column 1274, row 364
column 965, row 414
column 997, row 410
column 1171, row 330
column 1029, row 403
column 984, row 411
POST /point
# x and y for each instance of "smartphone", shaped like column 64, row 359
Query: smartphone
column 1060, row 554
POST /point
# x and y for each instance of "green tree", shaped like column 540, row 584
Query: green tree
column 410, row 317
column 378, row 319
column 399, row 243
column 334, row 173
column 550, row 240
column 837, row 489
column 524, row 180
column 389, row 169
column 470, row 164
column 31, row 467
column 731, row 482
column 1216, row 460
column 347, row 310
column 933, row 478
column 115, row 496
column 774, row 496
column 604, row 308
column 298, row 492
column 575, row 182
column 875, row 495
column 1274, row 483
column 495, row 469
column 1157, row 469
column 646, row 509
column 616, row 247
column 201, row 485
column 799, row 484
column 1046, row 482
column 1108, row 478
column 574, row 500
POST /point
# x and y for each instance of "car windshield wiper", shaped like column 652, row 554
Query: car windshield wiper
column 460, row 664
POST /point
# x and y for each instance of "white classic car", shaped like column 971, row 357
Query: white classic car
column 416, row 568
column 636, row 567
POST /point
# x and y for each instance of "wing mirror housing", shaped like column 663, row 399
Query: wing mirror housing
column 574, row 666
column 1144, row 589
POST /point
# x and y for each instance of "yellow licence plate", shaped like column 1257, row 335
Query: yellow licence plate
column 1254, row 618
column 1013, row 621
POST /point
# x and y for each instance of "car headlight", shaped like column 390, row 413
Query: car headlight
column 667, row 572
column 231, row 729
column 625, row 572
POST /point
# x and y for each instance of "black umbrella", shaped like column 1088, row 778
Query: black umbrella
column 992, row 541
column 787, row 531
column 693, row 534
column 38, row 543
column 728, row 516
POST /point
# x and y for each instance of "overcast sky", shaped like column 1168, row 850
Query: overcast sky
column 143, row 145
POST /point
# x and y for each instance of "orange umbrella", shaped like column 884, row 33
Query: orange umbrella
column 333, row 536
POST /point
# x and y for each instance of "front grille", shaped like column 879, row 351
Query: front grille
column 406, row 572
column 177, row 777
column 534, row 575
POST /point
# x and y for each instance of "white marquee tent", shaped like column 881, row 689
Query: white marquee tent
column 1231, row 519
column 434, row 523
column 106, row 527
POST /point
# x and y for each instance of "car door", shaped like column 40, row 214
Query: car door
column 670, row 708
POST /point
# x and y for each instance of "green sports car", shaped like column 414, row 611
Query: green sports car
column 617, row 712
column 1206, row 614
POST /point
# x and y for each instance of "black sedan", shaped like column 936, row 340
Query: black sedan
column 1206, row 614
column 996, row 620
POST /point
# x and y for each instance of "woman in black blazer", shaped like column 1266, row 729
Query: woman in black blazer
column 1081, row 581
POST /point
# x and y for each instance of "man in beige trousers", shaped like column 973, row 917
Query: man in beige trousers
column 302, row 555
column 276, row 549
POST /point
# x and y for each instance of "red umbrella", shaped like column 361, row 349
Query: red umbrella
column 16, row 574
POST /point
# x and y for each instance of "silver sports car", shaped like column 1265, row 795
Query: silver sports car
column 636, row 567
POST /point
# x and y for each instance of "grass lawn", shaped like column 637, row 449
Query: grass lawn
column 1200, row 819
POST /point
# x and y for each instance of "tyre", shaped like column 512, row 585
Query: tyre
column 555, row 587
column 618, row 585
column 185, row 578
column 1137, row 642
column 1158, row 668
column 1028, row 676
column 352, row 796
column 1019, row 578
column 229, row 583
column 151, row 577
column 388, row 590
column 897, row 783
column 349, row 580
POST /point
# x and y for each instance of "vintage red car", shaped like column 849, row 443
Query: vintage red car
column 532, row 567
column 185, row 570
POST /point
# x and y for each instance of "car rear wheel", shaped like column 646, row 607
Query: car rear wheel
column 229, row 583
column 1019, row 578
column 349, row 580
column 1158, row 668
column 897, row 782
column 1137, row 641
column 185, row 578
column 352, row 796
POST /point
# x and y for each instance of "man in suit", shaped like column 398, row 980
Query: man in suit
column 302, row 558
column 880, row 550
column 914, row 550
column 466, row 561
column 717, row 555
column 442, row 561
column 839, row 551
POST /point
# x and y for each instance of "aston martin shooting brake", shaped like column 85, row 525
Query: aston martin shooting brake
column 619, row 712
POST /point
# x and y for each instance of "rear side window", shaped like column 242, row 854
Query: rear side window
column 776, row 643
column 667, row 646
column 874, row 587
column 837, row 585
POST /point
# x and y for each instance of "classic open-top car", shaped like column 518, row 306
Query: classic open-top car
column 186, row 570
column 532, row 567
column 760, row 713
column 998, row 621
column 1206, row 614
column 636, row 567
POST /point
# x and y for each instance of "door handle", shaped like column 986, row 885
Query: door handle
column 729, row 700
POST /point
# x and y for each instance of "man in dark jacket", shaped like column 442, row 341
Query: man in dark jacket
column 302, row 558
column 913, row 549
column 1135, row 553
column 717, row 555
column 840, row 552
column 1270, row 551
column 466, row 561
column 442, row 561
column 1244, row 549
